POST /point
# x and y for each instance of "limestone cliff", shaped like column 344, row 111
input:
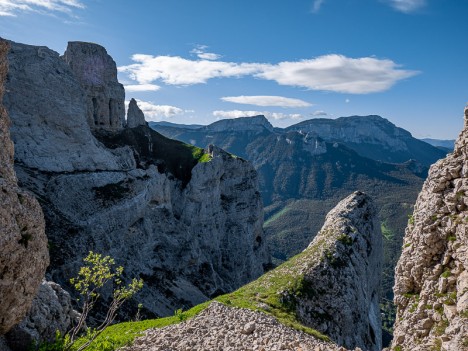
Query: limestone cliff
column 97, row 73
column 23, row 255
column 332, row 286
column 431, row 278
column 188, row 221
column 48, row 108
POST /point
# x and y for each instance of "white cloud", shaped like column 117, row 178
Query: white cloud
column 278, row 101
column 319, row 113
column 316, row 5
column 338, row 73
column 269, row 115
column 141, row 87
column 175, row 70
column 335, row 73
column 155, row 112
column 200, row 51
column 407, row 6
column 13, row 7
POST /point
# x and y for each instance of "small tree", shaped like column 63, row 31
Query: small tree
column 96, row 272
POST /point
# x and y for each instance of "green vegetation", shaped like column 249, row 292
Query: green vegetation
column 92, row 277
column 123, row 334
column 446, row 273
column 199, row 154
column 410, row 219
column 386, row 232
column 451, row 238
column 276, row 292
column 345, row 239
column 276, row 216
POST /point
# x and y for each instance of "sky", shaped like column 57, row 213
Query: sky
column 198, row 61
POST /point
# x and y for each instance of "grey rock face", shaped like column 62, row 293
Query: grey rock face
column 97, row 73
column 189, row 240
column 188, row 244
column 47, row 106
column 51, row 310
column 342, row 278
column 23, row 255
column 431, row 278
column 135, row 116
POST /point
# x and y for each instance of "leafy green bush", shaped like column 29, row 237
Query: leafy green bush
column 92, row 277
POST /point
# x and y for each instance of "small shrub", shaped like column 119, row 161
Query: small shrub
column 92, row 277
column 180, row 315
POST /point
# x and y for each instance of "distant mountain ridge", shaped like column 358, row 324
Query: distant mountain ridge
column 370, row 136
column 373, row 137
column 447, row 144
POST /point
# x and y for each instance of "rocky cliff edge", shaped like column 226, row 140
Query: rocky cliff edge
column 431, row 278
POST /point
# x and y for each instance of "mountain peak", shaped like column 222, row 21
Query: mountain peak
column 255, row 123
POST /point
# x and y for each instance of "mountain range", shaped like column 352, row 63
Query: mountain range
column 305, row 169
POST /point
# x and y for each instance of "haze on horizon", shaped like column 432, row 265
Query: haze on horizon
column 199, row 61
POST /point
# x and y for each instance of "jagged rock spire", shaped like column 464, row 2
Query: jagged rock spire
column 135, row 116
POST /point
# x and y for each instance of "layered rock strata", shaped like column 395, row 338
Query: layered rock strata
column 431, row 278
column 135, row 116
column 97, row 73
column 190, row 229
column 23, row 255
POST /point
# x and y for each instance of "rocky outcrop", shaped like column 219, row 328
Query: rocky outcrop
column 187, row 221
column 48, row 108
column 220, row 327
column 97, row 73
column 256, row 124
column 51, row 311
column 135, row 116
column 341, row 281
column 23, row 255
column 431, row 278
column 329, row 291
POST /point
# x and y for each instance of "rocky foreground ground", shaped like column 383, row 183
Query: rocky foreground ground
column 225, row 328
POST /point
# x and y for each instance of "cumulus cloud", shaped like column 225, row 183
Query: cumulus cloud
column 141, row 87
column 13, row 7
column 155, row 112
column 270, row 115
column 316, row 5
column 407, row 6
column 338, row 73
column 278, row 101
column 200, row 51
column 175, row 70
column 335, row 73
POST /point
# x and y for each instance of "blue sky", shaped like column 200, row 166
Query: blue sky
column 190, row 61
